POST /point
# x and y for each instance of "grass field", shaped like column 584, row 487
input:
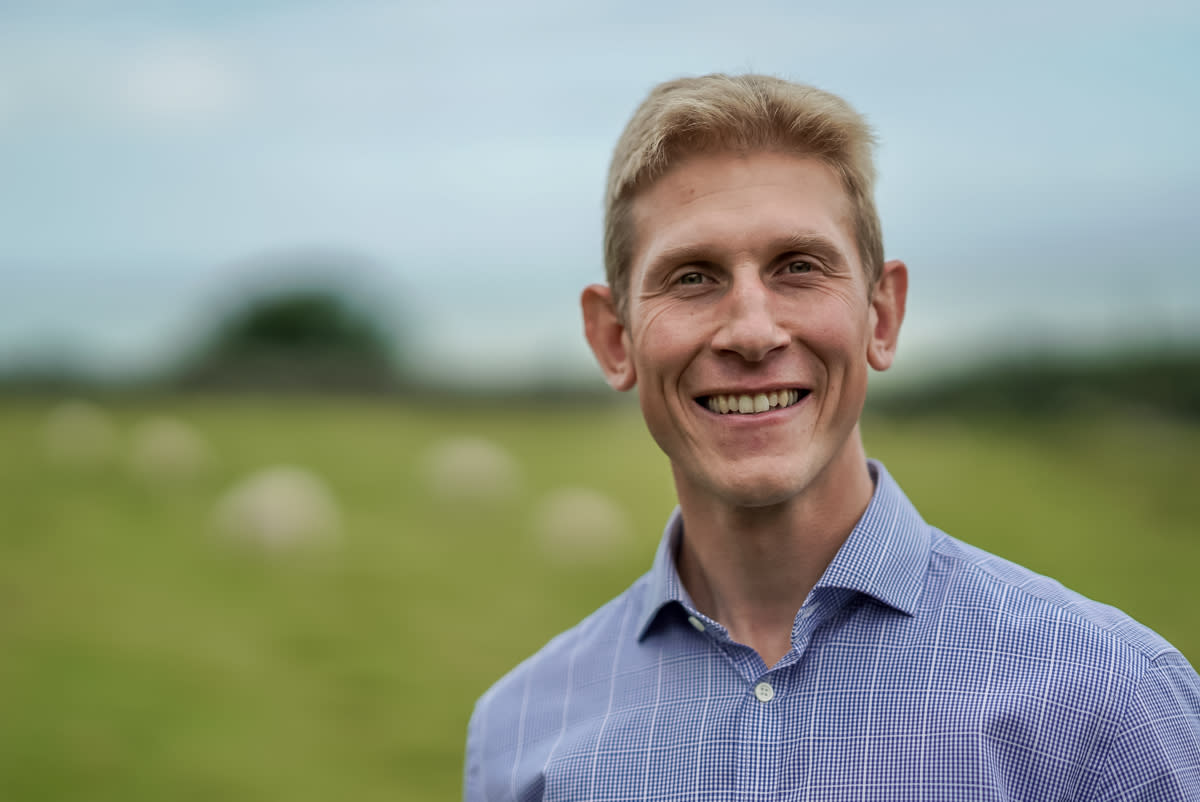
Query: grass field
column 144, row 658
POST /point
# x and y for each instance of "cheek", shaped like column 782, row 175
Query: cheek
column 842, row 327
column 661, row 317
column 665, row 343
column 839, row 348
column 833, row 341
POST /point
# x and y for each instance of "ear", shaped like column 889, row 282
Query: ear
column 887, row 313
column 607, row 337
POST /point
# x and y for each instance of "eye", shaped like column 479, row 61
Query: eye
column 691, row 278
column 799, row 266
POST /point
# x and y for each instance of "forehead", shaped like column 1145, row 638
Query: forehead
column 732, row 203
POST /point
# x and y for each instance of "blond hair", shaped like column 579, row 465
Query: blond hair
column 738, row 113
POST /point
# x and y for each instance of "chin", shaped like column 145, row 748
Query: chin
column 763, row 490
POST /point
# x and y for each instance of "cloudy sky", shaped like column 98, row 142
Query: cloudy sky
column 1039, row 161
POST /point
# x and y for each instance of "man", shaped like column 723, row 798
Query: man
column 803, row 634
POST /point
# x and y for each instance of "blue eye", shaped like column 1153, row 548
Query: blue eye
column 691, row 278
column 799, row 266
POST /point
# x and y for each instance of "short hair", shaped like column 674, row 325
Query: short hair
column 737, row 113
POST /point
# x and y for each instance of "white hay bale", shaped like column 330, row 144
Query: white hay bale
column 79, row 433
column 166, row 450
column 579, row 523
column 472, row 469
column 279, row 506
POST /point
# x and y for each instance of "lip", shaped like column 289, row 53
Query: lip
column 753, row 390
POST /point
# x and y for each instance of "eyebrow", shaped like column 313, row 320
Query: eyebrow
column 815, row 244
column 802, row 241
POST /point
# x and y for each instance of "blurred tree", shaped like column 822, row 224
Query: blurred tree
column 299, row 321
column 1158, row 378
column 297, row 338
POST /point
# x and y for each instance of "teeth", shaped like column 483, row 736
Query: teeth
column 749, row 404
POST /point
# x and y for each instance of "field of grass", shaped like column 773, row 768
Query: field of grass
column 144, row 658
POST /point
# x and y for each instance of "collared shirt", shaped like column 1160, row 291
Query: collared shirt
column 921, row 668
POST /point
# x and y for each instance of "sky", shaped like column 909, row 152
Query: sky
column 1038, row 163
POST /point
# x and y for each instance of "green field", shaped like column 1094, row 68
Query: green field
column 142, row 657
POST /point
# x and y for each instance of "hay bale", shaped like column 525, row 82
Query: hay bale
column 79, row 433
column 279, row 507
column 167, row 450
column 472, row 470
column 578, row 524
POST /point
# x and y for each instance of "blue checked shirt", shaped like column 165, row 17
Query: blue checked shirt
column 921, row 668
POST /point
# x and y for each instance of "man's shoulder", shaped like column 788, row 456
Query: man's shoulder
column 1032, row 609
column 588, row 641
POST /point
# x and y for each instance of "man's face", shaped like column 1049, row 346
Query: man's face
column 750, row 325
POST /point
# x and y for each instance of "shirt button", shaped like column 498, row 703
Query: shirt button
column 696, row 622
column 764, row 691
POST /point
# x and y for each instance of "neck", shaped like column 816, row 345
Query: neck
column 752, row 568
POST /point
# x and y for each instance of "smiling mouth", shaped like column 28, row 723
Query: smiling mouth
column 752, row 404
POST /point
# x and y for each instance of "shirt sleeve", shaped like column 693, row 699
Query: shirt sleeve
column 472, row 769
column 1156, row 754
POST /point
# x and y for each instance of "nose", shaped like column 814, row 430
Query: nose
column 750, row 325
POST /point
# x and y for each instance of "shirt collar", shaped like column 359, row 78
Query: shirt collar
column 886, row 555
